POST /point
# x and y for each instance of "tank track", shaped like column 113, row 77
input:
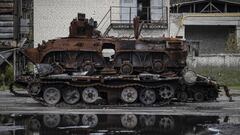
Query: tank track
column 106, row 82
column 85, row 105
column 101, row 102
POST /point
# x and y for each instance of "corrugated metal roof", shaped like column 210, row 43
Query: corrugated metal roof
column 190, row 1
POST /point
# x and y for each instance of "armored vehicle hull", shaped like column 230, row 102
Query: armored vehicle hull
column 86, row 68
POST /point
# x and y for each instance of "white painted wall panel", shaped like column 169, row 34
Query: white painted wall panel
column 220, row 60
column 156, row 10
column 52, row 17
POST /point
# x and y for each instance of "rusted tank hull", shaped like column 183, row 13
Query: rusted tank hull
column 139, row 55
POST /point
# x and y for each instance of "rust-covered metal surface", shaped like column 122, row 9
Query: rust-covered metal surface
column 85, row 44
column 86, row 68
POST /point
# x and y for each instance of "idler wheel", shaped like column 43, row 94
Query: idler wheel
column 71, row 96
column 90, row 95
column 90, row 120
column 166, row 123
column 71, row 120
column 166, row 92
column 34, row 89
column 158, row 66
column 129, row 121
column 198, row 96
column 147, row 96
column 52, row 95
column 129, row 94
column 147, row 120
column 51, row 120
column 89, row 67
column 126, row 68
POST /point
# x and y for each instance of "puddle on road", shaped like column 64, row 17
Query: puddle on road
column 74, row 124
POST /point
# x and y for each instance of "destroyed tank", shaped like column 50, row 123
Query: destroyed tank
column 86, row 68
column 85, row 50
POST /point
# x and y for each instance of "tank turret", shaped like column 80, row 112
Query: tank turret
column 82, row 27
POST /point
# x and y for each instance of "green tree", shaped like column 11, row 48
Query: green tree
column 9, row 74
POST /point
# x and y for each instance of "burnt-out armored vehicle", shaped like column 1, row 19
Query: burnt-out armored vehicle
column 85, row 50
column 86, row 68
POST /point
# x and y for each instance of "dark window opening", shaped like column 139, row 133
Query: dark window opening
column 144, row 9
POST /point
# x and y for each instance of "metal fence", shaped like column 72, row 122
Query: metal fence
column 153, row 14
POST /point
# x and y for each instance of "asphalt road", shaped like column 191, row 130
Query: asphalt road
column 222, row 107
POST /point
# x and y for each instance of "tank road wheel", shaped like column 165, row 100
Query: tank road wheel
column 90, row 120
column 126, row 68
column 198, row 96
column 52, row 95
column 166, row 123
column 158, row 66
column 51, row 120
column 90, row 95
column 34, row 89
column 89, row 67
column 71, row 96
column 129, row 94
column 71, row 120
column 166, row 92
column 147, row 120
column 129, row 121
column 147, row 96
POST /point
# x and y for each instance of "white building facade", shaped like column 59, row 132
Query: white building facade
column 52, row 17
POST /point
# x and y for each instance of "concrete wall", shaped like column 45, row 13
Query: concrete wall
column 238, row 34
column 212, row 30
column 220, row 60
column 212, row 38
column 176, row 25
column 52, row 17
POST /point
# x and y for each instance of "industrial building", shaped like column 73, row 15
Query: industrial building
column 212, row 26
column 16, row 26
